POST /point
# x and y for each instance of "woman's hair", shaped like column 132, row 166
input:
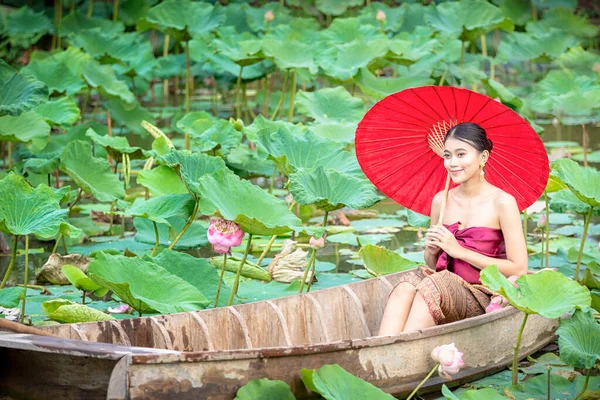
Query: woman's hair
column 471, row 133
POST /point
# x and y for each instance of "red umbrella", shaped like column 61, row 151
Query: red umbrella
column 399, row 145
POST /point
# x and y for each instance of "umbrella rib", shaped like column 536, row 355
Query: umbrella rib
column 494, row 116
column 427, row 104
column 413, row 107
column 441, row 101
column 466, row 106
column 400, row 167
column 412, row 201
column 396, row 138
column 409, row 177
column 481, row 108
column 392, row 158
column 398, row 111
column 504, row 126
column 376, row 128
column 455, row 102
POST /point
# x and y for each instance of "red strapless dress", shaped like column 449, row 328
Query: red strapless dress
column 484, row 240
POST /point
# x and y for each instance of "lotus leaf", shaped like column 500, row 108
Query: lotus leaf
column 577, row 59
column 131, row 11
column 220, row 135
column 192, row 167
column 11, row 297
column 81, row 281
column 292, row 151
column 342, row 132
column 130, row 115
column 115, row 146
column 473, row 394
column 61, row 71
column 593, row 157
column 351, row 238
column 29, row 128
column 247, row 163
column 335, row 383
column 162, row 180
column 77, row 22
column 25, row 210
column 241, row 48
column 548, row 293
column 93, row 175
column 144, row 285
column 260, row 123
column 158, row 209
column 265, row 389
column 255, row 16
column 381, row 261
column 62, row 111
column 394, row 16
column 186, row 122
column 104, row 76
column 335, row 8
column 412, row 47
column 256, row 211
column 495, row 89
column 24, row 27
column 476, row 16
column 291, row 54
column 381, row 87
column 566, row 200
column 249, row 269
column 19, row 93
column 346, row 30
column 344, row 61
column 194, row 236
column 331, row 105
column 67, row 312
column 330, row 190
column 560, row 387
column 583, row 182
column 579, row 340
column 561, row 18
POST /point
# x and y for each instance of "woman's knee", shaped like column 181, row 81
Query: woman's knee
column 403, row 289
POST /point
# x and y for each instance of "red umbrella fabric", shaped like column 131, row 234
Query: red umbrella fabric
column 399, row 139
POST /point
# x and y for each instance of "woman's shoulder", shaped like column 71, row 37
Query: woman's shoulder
column 503, row 199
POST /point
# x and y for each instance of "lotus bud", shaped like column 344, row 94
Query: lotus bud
column 598, row 245
column 380, row 16
column 122, row 309
column 555, row 122
column 317, row 243
column 542, row 223
column 289, row 265
column 450, row 360
column 269, row 16
column 224, row 234
column 496, row 303
column 238, row 124
column 596, row 67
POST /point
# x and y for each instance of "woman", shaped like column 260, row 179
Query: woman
column 482, row 227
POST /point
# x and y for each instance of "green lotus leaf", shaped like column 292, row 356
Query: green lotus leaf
column 583, row 182
column 331, row 105
column 381, row 87
column 126, row 47
column 476, row 16
column 241, row 48
column 346, row 30
column 103, row 76
column 579, row 340
column 256, row 211
column 343, row 61
column 62, row 111
column 183, row 19
column 24, row 27
column 11, row 297
column 255, row 16
column 412, row 47
column 381, row 261
column 158, row 209
column 186, row 122
column 265, row 389
column 292, row 54
column 261, row 123
column 548, row 293
column 19, row 93
column 60, row 71
column 192, row 167
column 130, row 115
column 220, row 66
column 335, row 383
column 473, row 394
column 67, row 312
column 394, row 16
column 519, row 46
column 93, row 175
column 115, row 146
column 560, row 387
column 577, row 59
column 171, row 65
column 330, row 190
column 25, row 210
column 292, row 151
column 593, row 157
column 335, row 8
column 495, row 89
column 78, row 22
column 416, row 219
column 249, row 269
column 79, row 279
column 338, row 132
column 247, row 163
column 219, row 135
column 566, row 200
column 29, row 128
column 517, row 11
column 145, row 285
column 563, row 19
column 196, row 271
column 162, row 180
column 193, row 238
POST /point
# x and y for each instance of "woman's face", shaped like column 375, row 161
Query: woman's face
column 462, row 160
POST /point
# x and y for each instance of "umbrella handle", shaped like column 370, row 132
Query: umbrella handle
column 443, row 208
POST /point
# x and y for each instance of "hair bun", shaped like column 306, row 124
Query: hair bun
column 490, row 145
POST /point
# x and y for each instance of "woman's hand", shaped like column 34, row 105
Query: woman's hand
column 441, row 237
column 431, row 247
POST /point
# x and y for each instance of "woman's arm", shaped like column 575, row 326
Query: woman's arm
column 432, row 251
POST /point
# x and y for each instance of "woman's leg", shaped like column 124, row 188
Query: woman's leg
column 419, row 316
column 397, row 309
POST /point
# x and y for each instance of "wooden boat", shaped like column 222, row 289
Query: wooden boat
column 210, row 354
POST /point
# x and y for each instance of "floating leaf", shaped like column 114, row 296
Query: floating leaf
column 579, row 340
column 19, row 93
column 560, row 387
column 11, row 297
column 93, row 175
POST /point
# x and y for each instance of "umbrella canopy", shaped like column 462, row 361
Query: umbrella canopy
column 400, row 140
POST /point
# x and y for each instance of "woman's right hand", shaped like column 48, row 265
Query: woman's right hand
column 431, row 247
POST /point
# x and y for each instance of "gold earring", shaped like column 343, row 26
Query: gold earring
column 482, row 172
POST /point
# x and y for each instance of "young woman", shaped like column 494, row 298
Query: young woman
column 481, row 227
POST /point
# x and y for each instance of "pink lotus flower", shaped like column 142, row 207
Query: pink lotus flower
column 450, row 360
column 542, row 223
column 513, row 280
column 380, row 16
column 224, row 234
column 496, row 303
column 122, row 309
column 317, row 243
column 269, row 16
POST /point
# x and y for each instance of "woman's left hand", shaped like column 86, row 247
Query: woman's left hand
column 441, row 236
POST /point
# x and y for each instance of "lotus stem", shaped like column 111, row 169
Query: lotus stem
column 238, row 93
column 90, row 9
column 86, row 101
column 157, row 239
column 266, row 250
column 166, row 81
column 548, row 368
column 9, row 153
column 187, row 89
column 64, row 242
column 586, row 224
column 12, row 261
column 515, row 371
column 112, row 216
column 584, row 140
column 462, row 55
column 547, row 230
column 267, row 88
column 542, row 252
column 26, row 278
column 236, row 283
column 282, row 97
column 410, row 396
column 585, row 385
column 314, row 266
column 311, row 261
column 60, row 235
column 443, row 77
column 115, row 10
column 220, row 279
column 187, row 224
column 292, row 95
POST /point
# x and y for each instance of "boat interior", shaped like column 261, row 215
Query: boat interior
column 351, row 311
